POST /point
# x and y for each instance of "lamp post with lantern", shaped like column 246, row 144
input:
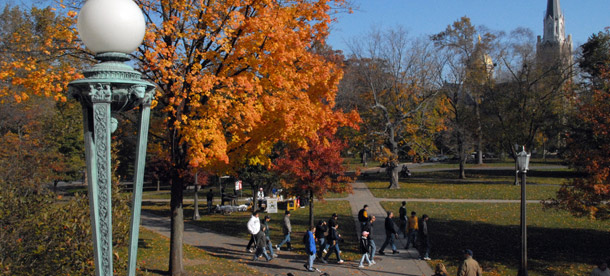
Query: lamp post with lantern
column 523, row 160
column 111, row 29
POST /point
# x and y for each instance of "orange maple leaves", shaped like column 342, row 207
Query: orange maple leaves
column 36, row 59
column 237, row 76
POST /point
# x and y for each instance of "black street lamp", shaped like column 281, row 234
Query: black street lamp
column 523, row 160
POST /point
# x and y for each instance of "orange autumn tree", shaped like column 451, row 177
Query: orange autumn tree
column 38, row 53
column 234, row 78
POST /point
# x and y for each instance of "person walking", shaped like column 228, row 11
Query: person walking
column 287, row 228
column 268, row 236
column 210, row 198
column 424, row 238
column 402, row 216
column 310, row 248
column 254, row 226
column 332, row 221
column 412, row 227
column 320, row 235
column 368, row 227
column 363, row 216
column 390, row 232
column 261, row 242
column 365, row 249
column 469, row 267
column 333, row 240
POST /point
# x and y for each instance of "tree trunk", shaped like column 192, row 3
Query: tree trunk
column 462, row 171
column 462, row 168
column 479, row 135
column 311, row 209
column 255, row 198
column 392, row 171
column 177, row 230
column 363, row 159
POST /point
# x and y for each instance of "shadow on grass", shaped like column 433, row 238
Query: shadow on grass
column 450, row 176
column 496, row 243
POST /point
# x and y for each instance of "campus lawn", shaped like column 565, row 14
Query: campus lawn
column 234, row 224
column 153, row 256
column 416, row 189
column 558, row 244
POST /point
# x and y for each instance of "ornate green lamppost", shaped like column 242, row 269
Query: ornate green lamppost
column 111, row 29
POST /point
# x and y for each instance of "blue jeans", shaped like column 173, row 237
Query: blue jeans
column 373, row 248
column 389, row 239
column 412, row 238
column 270, row 246
column 286, row 240
column 261, row 251
column 322, row 243
column 365, row 256
column 333, row 248
column 310, row 261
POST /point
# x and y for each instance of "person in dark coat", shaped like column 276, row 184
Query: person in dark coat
column 365, row 249
column 391, row 235
column 210, row 197
column 261, row 244
column 368, row 227
column 333, row 241
column 424, row 238
column 321, row 230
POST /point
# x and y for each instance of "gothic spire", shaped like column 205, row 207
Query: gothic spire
column 552, row 9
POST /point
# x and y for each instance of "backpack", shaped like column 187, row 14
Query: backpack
column 361, row 217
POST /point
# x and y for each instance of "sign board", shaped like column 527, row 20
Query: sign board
column 272, row 205
column 238, row 185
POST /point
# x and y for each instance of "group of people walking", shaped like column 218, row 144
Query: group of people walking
column 409, row 227
column 324, row 234
column 323, row 239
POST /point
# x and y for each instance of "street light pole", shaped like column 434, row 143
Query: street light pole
column 523, row 228
column 523, row 159
column 111, row 29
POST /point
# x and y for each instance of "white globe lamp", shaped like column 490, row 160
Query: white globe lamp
column 111, row 26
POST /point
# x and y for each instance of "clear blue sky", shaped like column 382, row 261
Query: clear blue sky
column 425, row 17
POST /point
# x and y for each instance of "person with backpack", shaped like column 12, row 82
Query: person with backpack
column 365, row 249
column 363, row 215
column 310, row 248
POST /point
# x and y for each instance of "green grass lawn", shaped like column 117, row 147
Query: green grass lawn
column 460, row 191
column 153, row 256
column 558, row 244
column 234, row 224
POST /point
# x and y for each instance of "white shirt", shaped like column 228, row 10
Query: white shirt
column 254, row 225
column 260, row 195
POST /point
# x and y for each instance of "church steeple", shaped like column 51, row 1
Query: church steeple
column 554, row 46
column 553, row 9
column 554, row 25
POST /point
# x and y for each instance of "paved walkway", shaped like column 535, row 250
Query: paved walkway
column 232, row 248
